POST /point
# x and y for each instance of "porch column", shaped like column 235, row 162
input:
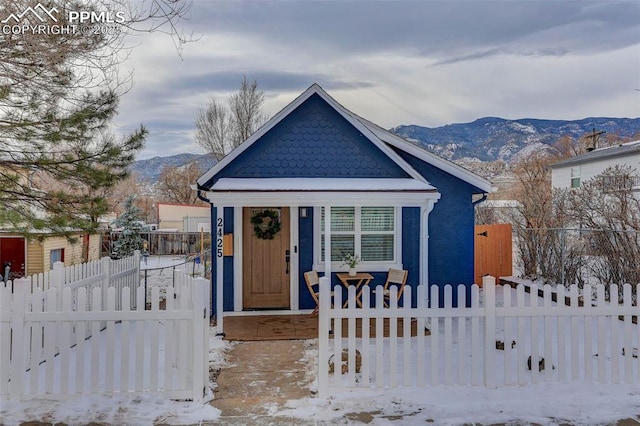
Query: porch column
column 237, row 257
column 327, row 242
column 218, row 249
column 424, row 244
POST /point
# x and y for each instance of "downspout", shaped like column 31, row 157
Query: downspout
column 212, row 310
column 480, row 200
column 202, row 197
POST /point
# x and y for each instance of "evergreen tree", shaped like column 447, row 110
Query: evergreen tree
column 129, row 239
column 59, row 92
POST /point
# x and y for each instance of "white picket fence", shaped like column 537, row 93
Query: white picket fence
column 103, row 273
column 45, row 353
column 491, row 343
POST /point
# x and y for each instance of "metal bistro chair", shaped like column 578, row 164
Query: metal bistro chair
column 313, row 284
column 397, row 277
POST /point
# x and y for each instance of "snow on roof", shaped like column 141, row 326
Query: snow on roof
column 320, row 184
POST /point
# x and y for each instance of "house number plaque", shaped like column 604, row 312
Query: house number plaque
column 219, row 237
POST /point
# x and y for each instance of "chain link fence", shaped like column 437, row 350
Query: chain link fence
column 578, row 256
column 164, row 243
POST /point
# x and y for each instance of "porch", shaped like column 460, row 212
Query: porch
column 388, row 230
column 289, row 327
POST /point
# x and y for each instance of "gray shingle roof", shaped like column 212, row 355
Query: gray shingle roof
column 601, row 153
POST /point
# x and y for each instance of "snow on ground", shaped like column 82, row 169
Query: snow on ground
column 158, row 270
column 544, row 404
column 119, row 409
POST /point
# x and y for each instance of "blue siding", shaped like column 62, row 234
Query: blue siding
column 411, row 248
column 315, row 141
column 312, row 141
column 451, row 227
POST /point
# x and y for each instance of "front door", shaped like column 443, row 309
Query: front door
column 265, row 262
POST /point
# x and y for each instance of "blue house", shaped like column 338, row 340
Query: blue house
column 389, row 202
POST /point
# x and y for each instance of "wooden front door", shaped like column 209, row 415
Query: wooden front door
column 265, row 263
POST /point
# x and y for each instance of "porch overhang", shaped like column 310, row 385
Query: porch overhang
column 319, row 191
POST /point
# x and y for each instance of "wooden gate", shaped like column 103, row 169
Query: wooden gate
column 493, row 251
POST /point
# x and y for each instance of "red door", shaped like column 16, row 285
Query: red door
column 12, row 253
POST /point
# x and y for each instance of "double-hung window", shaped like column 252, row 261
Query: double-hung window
column 575, row 177
column 370, row 233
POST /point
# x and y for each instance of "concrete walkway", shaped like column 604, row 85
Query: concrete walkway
column 255, row 385
column 263, row 375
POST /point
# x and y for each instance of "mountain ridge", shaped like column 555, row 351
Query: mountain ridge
column 149, row 169
column 486, row 139
column 493, row 138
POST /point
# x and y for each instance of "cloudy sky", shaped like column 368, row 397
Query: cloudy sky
column 429, row 63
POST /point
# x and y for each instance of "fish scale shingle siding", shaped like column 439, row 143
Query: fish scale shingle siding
column 314, row 141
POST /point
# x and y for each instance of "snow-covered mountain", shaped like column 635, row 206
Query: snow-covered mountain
column 148, row 170
column 492, row 138
column 471, row 144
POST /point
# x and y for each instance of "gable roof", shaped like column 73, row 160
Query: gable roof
column 382, row 139
column 628, row 148
column 426, row 156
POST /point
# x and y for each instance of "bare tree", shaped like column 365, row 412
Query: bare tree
column 606, row 206
column 221, row 128
column 567, row 146
column 175, row 183
column 245, row 106
column 213, row 129
column 535, row 215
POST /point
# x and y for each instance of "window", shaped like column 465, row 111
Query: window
column 377, row 234
column 575, row 177
column 56, row 255
column 368, row 232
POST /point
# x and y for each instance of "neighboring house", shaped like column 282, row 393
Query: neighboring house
column 574, row 171
column 391, row 203
column 183, row 217
column 38, row 252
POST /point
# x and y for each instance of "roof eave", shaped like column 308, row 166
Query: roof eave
column 428, row 157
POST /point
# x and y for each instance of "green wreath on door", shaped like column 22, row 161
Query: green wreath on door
column 266, row 229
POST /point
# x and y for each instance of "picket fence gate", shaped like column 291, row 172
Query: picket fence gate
column 156, row 349
column 490, row 343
